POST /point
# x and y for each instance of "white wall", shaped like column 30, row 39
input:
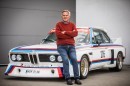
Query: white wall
column 25, row 22
column 113, row 15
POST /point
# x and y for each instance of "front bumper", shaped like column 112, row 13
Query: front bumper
column 43, row 72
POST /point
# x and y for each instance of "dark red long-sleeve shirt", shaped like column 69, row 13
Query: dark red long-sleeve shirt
column 68, row 36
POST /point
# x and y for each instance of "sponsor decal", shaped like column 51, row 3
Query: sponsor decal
column 28, row 71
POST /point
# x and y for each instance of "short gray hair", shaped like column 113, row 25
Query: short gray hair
column 66, row 11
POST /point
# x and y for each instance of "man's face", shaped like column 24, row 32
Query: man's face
column 65, row 16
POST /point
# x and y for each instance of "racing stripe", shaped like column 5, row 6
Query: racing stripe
column 10, row 69
column 102, row 60
column 60, row 72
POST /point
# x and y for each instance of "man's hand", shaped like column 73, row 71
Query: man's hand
column 63, row 32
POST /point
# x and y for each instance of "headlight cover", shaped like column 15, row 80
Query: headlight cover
column 19, row 57
column 52, row 58
column 59, row 58
column 13, row 57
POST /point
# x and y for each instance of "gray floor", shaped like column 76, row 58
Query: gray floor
column 95, row 78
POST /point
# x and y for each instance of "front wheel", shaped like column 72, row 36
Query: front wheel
column 84, row 67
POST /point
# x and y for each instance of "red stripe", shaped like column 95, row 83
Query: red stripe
column 78, row 61
column 59, row 72
column 107, row 46
column 37, row 48
column 102, row 59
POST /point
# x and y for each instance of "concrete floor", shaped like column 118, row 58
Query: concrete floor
column 101, row 77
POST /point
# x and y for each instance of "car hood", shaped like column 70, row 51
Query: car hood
column 40, row 46
column 48, row 47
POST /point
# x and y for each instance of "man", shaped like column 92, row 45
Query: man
column 65, row 32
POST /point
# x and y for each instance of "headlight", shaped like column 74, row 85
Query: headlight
column 59, row 58
column 52, row 58
column 13, row 57
column 19, row 57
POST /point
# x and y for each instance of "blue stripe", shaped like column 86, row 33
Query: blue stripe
column 107, row 45
column 28, row 51
column 18, row 51
column 91, row 35
column 9, row 69
column 100, row 61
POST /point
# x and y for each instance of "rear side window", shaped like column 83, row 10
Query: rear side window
column 97, row 37
column 100, row 36
column 105, row 37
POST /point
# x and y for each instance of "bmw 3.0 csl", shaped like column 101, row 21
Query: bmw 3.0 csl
column 94, row 50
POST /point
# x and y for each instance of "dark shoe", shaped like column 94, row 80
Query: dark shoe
column 69, row 82
column 77, row 81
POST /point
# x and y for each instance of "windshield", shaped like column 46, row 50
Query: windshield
column 50, row 38
column 82, row 37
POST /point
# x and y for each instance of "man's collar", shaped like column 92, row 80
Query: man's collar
column 66, row 22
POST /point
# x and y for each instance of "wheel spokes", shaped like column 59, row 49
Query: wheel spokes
column 119, row 61
column 84, row 67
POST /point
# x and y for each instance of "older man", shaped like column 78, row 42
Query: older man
column 65, row 32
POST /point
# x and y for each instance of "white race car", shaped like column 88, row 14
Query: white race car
column 94, row 50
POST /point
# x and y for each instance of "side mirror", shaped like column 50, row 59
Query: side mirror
column 98, row 42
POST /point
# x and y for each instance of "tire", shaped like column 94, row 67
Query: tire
column 119, row 63
column 84, row 67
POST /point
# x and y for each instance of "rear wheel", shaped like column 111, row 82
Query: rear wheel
column 119, row 63
column 84, row 67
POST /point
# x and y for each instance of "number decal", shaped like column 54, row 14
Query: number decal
column 102, row 54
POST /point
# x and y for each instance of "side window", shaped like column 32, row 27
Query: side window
column 106, row 39
column 97, row 37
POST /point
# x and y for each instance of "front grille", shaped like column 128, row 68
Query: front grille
column 44, row 58
column 33, row 59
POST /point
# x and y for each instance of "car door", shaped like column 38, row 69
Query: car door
column 99, row 49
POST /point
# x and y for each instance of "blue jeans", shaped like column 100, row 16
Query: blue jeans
column 68, row 52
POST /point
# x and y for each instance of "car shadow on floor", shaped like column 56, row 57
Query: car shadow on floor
column 99, row 72
column 35, row 79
